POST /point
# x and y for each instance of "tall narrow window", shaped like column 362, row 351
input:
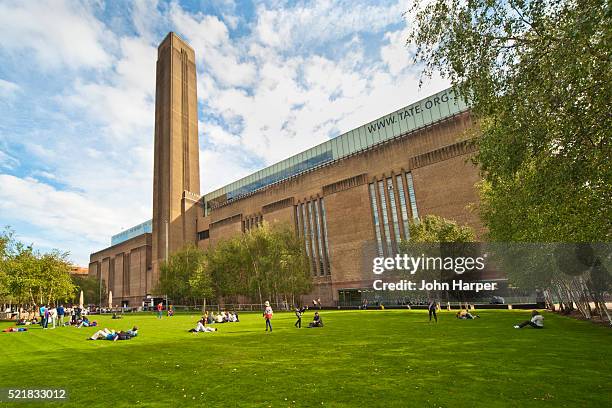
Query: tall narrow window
column 305, row 228
column 312, row 235
column 376, row 219
column 394, row 217
column 298, row 226
column 403, row 208
column 319, row 237
column 413, row 205
column 325, row 234
column 385, row 216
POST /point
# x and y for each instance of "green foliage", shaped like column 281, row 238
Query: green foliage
column 262, row 264
column 27, row 276
column 435, row 229
column 437, row 236
column 90, row 286
column 538, row 76
column 183, row 278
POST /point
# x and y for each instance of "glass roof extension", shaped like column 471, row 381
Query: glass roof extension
column 414, row 116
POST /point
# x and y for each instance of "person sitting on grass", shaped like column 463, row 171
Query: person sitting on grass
column 85, row 322
column 537, row 321
column 202, row 326
column 316, row 321
column 116, row 316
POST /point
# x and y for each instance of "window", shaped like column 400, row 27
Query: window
column 315, row 204
column 411, row 195
column 203, row 235
column 312, row 223
column 325, row 234
column 385, row 217
column 312, row 234
column 305, row 228
column 394, row 217
column 403, row 209
column 376, row 219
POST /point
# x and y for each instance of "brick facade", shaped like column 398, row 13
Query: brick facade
column 428, row 168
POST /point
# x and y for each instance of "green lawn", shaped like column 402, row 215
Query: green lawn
column 360, row 358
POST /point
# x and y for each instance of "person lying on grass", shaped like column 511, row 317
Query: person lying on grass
column 14, row 329
column 107, row 334
column 316, row 321
column 537, row 321
column 202, row 326
column 464, row 314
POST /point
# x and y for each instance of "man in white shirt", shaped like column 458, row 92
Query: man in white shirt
column 537, row 321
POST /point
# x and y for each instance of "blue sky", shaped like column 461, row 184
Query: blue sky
column 77, row 87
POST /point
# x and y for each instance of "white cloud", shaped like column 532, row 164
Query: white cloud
column 396, row 54
column 67, row 213
column 269, row 93
column 60, row 33
column 124, row 102
column 209, row 36
column 7, row 161
column 8, row 89
column 315, row 23
column 219, row 167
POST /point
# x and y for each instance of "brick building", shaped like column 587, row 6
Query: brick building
column 351, row 198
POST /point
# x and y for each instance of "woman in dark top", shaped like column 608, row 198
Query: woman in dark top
column 432, row 310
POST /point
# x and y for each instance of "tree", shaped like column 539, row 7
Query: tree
column 175, row 275
column 435, row 229
column 537, row 75
column 90, row 285
column 264, row 263
column 29, row 277
column 439, row 237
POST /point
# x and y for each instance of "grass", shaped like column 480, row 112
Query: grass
column 360, row 358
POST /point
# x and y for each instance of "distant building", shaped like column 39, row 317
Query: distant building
column 351, row 198
column 78, row 270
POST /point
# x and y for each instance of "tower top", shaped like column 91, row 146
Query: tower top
column 173, row 39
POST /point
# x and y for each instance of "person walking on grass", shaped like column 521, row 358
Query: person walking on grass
column 268, row 315
column 160, row 308
column 298, row 314
column 432, row 310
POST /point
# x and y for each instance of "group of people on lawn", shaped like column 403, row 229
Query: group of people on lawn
column 55, row 316
column 212, row 318
column 203, row 324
